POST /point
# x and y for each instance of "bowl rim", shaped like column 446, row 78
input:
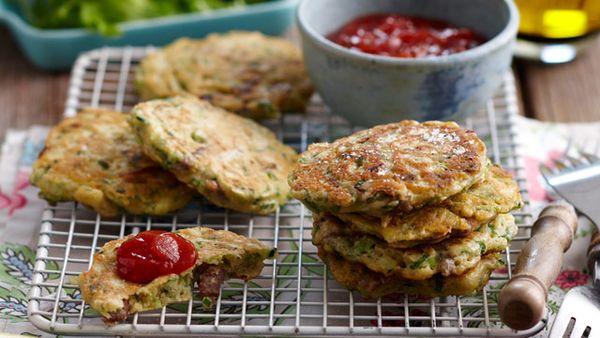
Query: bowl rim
column 507, row 34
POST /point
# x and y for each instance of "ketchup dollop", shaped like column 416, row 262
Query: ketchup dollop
column 404, row 36
column 154, row 253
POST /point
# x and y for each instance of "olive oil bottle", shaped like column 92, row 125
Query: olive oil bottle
column 558, row 19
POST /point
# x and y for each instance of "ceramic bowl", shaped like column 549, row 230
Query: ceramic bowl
column 370, row 89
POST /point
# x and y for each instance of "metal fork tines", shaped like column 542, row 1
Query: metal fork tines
column 576, row 178
column 578, row 315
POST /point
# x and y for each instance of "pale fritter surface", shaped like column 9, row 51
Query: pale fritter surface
column 392, row 168
column 247, row 73
column 233, row 161
column 101, row 287
column 356, row 276
column 93, row 158
column 497, row 194
column 453, row 256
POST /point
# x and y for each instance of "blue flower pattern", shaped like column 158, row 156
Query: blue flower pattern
column 16, row 271
column 17, row 265
column 13, row 307
column 72, row 307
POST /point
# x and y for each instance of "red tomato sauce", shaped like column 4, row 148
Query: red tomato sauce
column 152, row 254
column 404, row 36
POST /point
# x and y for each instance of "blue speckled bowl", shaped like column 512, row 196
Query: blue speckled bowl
column 369, row 89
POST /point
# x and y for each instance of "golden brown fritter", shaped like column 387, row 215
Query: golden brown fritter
column 389, row 169
column 93, row 158
column 231, row 160
column 369, row 284
column 459, row 214
column 114, row 298
column 244, row 72
column 453, row 256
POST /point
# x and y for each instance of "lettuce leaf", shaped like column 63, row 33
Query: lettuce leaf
column 104, row 16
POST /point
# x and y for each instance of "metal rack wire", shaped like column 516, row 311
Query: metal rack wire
column 294, row 294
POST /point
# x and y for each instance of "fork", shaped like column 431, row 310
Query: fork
column 576, row 178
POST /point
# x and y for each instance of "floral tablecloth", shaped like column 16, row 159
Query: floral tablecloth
column 20, row 211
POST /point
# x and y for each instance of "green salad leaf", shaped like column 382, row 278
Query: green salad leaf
column 103, row 16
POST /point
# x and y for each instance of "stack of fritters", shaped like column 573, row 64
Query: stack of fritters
column 408, row 208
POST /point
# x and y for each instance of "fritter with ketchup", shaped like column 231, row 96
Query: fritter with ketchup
column 219, row 255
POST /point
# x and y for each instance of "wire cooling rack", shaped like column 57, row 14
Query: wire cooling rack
column 295, row 294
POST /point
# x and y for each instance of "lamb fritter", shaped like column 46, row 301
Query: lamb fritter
column 496, row 194
column 93, row 158
column 221, row 255
column 453, row 256
column 372, row 285
column 389, row 169
column 244, row 72
column 231, row 160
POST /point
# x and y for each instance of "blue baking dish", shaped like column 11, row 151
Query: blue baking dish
column 57, row 49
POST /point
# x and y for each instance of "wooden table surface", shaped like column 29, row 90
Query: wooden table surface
column 569, row 92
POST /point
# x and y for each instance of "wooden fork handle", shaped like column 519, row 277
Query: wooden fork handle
column 522, row 301
column 594, row 250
